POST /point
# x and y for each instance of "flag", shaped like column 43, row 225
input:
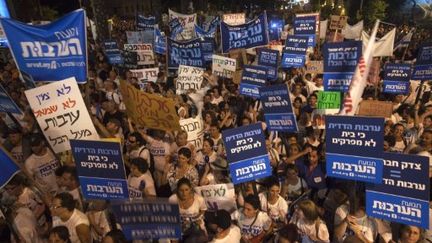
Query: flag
column 175, row 27
column 382, row 47
column 406, row 40
column 9, row 168
column 359, row 80
column 323, row 29
column 353, row 31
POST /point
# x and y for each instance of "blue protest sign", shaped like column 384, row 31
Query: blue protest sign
column 268, row 57
column 51, row 52
column 6, row 102
column 253, row 77
column 247, row 153
column 398, row 209
column 160, row 43
column 100, row 169
column 175, row 27
column 9, row 168
column 342, row 56
column 113, row 52
column 292, row 60
column 199, row 32
column 354, row 148
column 424, row 56
column 146, row 23
column 396, row 78
column 251, row 34
column 149, row 219
column 305, row 25
column 277, row 108
column 337, row 81
column 187, row 53
column 28, row 80
column 422, row 72
column 208, row 47
column 296, row 44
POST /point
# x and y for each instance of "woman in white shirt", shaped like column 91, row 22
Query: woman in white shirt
column 293, row 186
column 272, row 203
column 140, row 181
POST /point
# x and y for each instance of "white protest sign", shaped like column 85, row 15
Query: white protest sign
column 134, row 37
column 195, row 130
column 188, row 22
column 61, row 113
column 219, row 196
column 145, row 74
column 145, row 55
column 189, row 78
column 223, row 66
column 234, row 19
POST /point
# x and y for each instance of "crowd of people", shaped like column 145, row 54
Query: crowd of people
column 298, row 203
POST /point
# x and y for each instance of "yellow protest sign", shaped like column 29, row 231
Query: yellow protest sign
column 149, row 110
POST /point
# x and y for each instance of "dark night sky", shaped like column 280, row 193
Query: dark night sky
column 63, row 6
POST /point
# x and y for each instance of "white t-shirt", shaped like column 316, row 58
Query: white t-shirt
column 77, row 218
column 369, row 229
column 233, row 236
column 277, row 211
column 159, row 149
column 137, row 185
column 141, row 152
column 26, row 225
column 42, row 168
column 191, row 214
column 296, row 190
column 309, row 231
column 248, row 227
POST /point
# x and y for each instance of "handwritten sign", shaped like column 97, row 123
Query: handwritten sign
column 316, row 67
column 329, row 100
column 195, row 130
column 187, row 21
column 234, row 19
column 145, row 74
column 144, row 53
column 189, row 78
column 61, row 113
column 219, row 196
column 223, row 66
column 375, row 108
column 149, row 110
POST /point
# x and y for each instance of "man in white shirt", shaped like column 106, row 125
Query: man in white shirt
column 225, row 232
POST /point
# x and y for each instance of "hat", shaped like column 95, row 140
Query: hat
column 219, row 164
column 221, row 218
column 36, row 139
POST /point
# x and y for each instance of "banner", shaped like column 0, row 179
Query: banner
column 338, row 22
column 316, row 67
column 223, row 66
column 185, row 53
column 145, row 75
column 149, row 110
column 9, row 168
column 195, row 130
column 101, row 170
column 246, row 153
column 219, row 196
column 382, row 47
column 234, row 19
column 353, row 32
column 251, row 34
column 403, row 196
column 253, row 77
column 329, row 100
column 160, row 42
column 61, row 113
column 278, row 112
column 202, row 33
column 188, row 21
column 146, row 23
column 396, row 78
column 144, row 53
column 340, row 61
column 269, row 58
column 175, row 28
column 149, row 219
column 7, row 104
column 294, row 54
column 354, row 148
column 50, row 52
column 189, row 78
column 113, row 52
column 423, row 67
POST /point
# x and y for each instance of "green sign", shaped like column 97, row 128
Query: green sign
column 329, row 100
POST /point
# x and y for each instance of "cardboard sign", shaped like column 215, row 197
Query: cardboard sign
column 234, row 19
column 223, row 66
column 149, row 110
column 329, row 100
column 100, row 169
column 375, row 108
column 61, row 113
column 189, row 78
column 338, row 22
column 219, row 196
column 316, row 67
column 195, row 130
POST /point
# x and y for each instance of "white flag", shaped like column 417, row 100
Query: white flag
column 353, row 31
column 323, row 29
column 382, row 47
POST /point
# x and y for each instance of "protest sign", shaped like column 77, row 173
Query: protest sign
column 175, row 27
column 423, row 67
column 7, row 104
column 149, row 110
column 294, row 54
column 61, row 113
column 316, row 67
column 338, row 22
column 113, row 52
column 195, row 130
column 159, row 42
column 188, row 22
column 146, row 23
column 269, row 58
column 403, row 196
column 189, row 78
column 251, row 34
column 207, row 47
column 278, row 112
column 149, row 219
column 253, row 77
column 375, row 108
column 374, row 71
column 144, row 53
column 219, row 196
column 100, row 169
column 329, row 100
column 234, row 19
column 50, row 52
column 9, row 167
column 223, row 66
column 340, row 62
column 396, row 78
column 307, row 26
column 247, row 153
column 145, row 75
column 202, row 33
column 130, row 59
column 240, row 56
column 185, row 53
column 354, row 148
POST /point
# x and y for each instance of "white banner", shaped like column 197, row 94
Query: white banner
column 61, row 113
column 145, row 55
column 146, row 74
column 195, row 130
column 353, row 31
column 382, row 47
column 323, row 29
column 219, row 196
column 234, row 19
column 223, row 66
column 189, row 78
column 188, row 22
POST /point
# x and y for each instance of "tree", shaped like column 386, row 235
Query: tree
column 101, row 15
column 373, row 10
